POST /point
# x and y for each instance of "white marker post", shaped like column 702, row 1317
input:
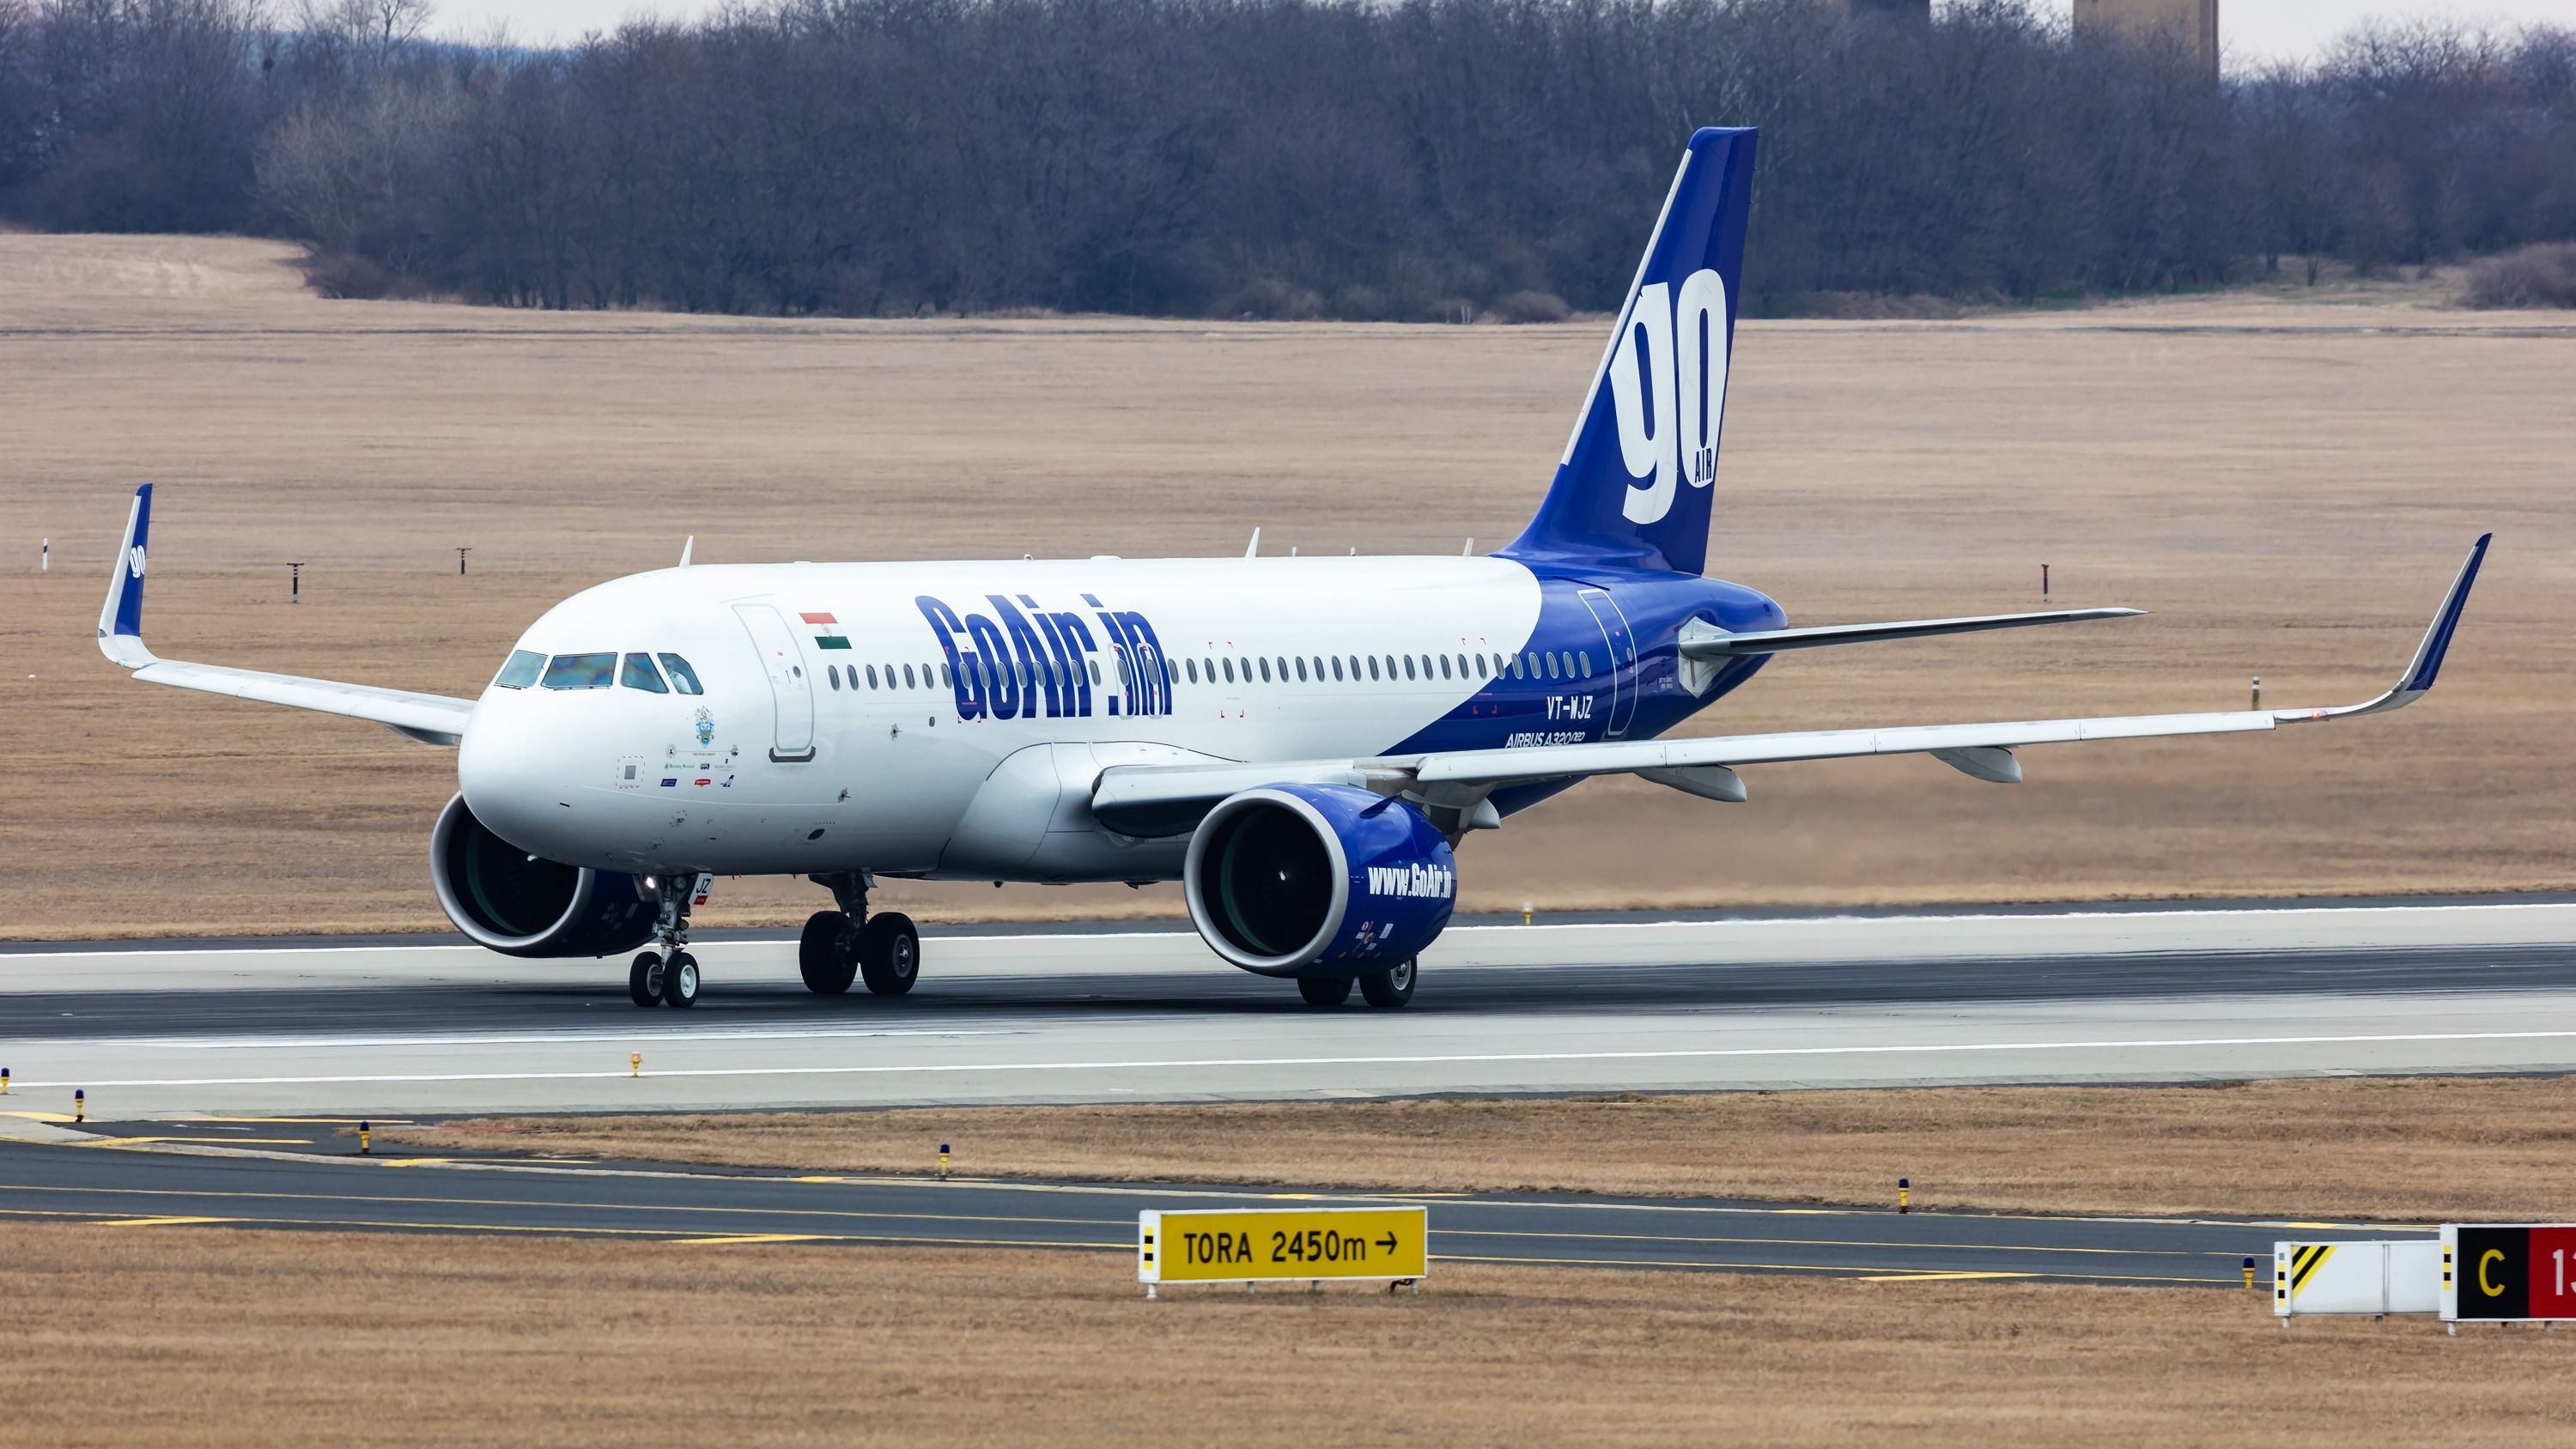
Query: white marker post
column 45, row 557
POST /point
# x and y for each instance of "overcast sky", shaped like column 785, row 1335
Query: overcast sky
column 2249, row 29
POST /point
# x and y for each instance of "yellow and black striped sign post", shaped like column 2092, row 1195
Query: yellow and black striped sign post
column 2373, row 1276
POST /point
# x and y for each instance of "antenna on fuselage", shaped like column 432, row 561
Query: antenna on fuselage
column 686, row 548
column 1253, row 548
column 1469, row 549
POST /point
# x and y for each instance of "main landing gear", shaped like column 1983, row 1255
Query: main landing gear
column 884, row 950
column 668, row 974
column 1386, row 990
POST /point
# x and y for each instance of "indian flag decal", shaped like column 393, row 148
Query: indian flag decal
column 827, row 631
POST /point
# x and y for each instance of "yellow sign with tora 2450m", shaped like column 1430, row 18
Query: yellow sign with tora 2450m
column 1263, row 1245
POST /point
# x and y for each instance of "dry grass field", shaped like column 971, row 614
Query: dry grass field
column 2425, row 1149
column 210, row 1336
column 2286, row 481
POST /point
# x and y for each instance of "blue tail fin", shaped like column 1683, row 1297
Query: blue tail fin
column 1633, row 487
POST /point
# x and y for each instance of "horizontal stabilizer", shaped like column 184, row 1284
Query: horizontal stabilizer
column 1710, row 642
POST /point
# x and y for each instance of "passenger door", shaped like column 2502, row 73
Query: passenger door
column 790, row 689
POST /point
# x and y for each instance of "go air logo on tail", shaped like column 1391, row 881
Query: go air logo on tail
column 1669, row 389
column 1413, row 882
column 1022, row 661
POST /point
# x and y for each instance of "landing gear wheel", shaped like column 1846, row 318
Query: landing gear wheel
column 827, row 955
column 890, row 953
column 644, row 980
column 1392, row 987
column 1324, row 990
column 680, row 980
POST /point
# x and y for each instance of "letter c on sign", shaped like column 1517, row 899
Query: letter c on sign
column 2492, row 1290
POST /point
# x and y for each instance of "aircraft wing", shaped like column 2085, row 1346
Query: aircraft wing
column 432, row 719
column 1161, row 795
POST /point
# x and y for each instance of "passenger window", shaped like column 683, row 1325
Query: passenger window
column 1095, row 671
column 1586, row 659
column 580, row 671
column 1337, row 666
column 684, row 680
column 1408, row 666
column 1229, row 671
column 1463, row 671
column 1265, row 671
column 1191, row 667
column 1301, row 671
column 872, row 676
column 639, row 673
column 907, row 678
column 1551, row 666
column 520, row 670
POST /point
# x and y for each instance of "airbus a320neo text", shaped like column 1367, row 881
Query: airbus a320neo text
column 1303, row 743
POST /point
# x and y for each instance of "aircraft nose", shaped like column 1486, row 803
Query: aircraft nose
column 507, row 770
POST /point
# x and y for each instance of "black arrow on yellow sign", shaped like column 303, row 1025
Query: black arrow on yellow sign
column 1388, row 1242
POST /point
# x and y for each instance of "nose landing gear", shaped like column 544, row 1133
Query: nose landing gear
column 667, row 976
column 884, row 950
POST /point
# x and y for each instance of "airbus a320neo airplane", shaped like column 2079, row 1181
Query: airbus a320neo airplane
column 1302, row 742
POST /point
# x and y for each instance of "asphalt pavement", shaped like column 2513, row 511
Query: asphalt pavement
column 155, row 1176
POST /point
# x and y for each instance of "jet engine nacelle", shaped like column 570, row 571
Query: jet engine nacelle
column 1315, row 880
column 521, row 905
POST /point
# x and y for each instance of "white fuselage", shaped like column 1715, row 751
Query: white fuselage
column 847, row 744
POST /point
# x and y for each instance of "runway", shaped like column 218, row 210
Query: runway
column 1091, row 1014
column 150, row 1188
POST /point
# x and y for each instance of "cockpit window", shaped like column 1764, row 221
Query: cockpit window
column 683, row 678
column 639, row 673
column 521, row 669
column 581, row 671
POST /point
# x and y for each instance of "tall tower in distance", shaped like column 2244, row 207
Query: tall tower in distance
column 2193, row 24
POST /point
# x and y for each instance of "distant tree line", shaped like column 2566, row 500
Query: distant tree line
column 1413, row 159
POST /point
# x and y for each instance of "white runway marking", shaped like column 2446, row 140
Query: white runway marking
column 1701, row 1053
column 539, row 1037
